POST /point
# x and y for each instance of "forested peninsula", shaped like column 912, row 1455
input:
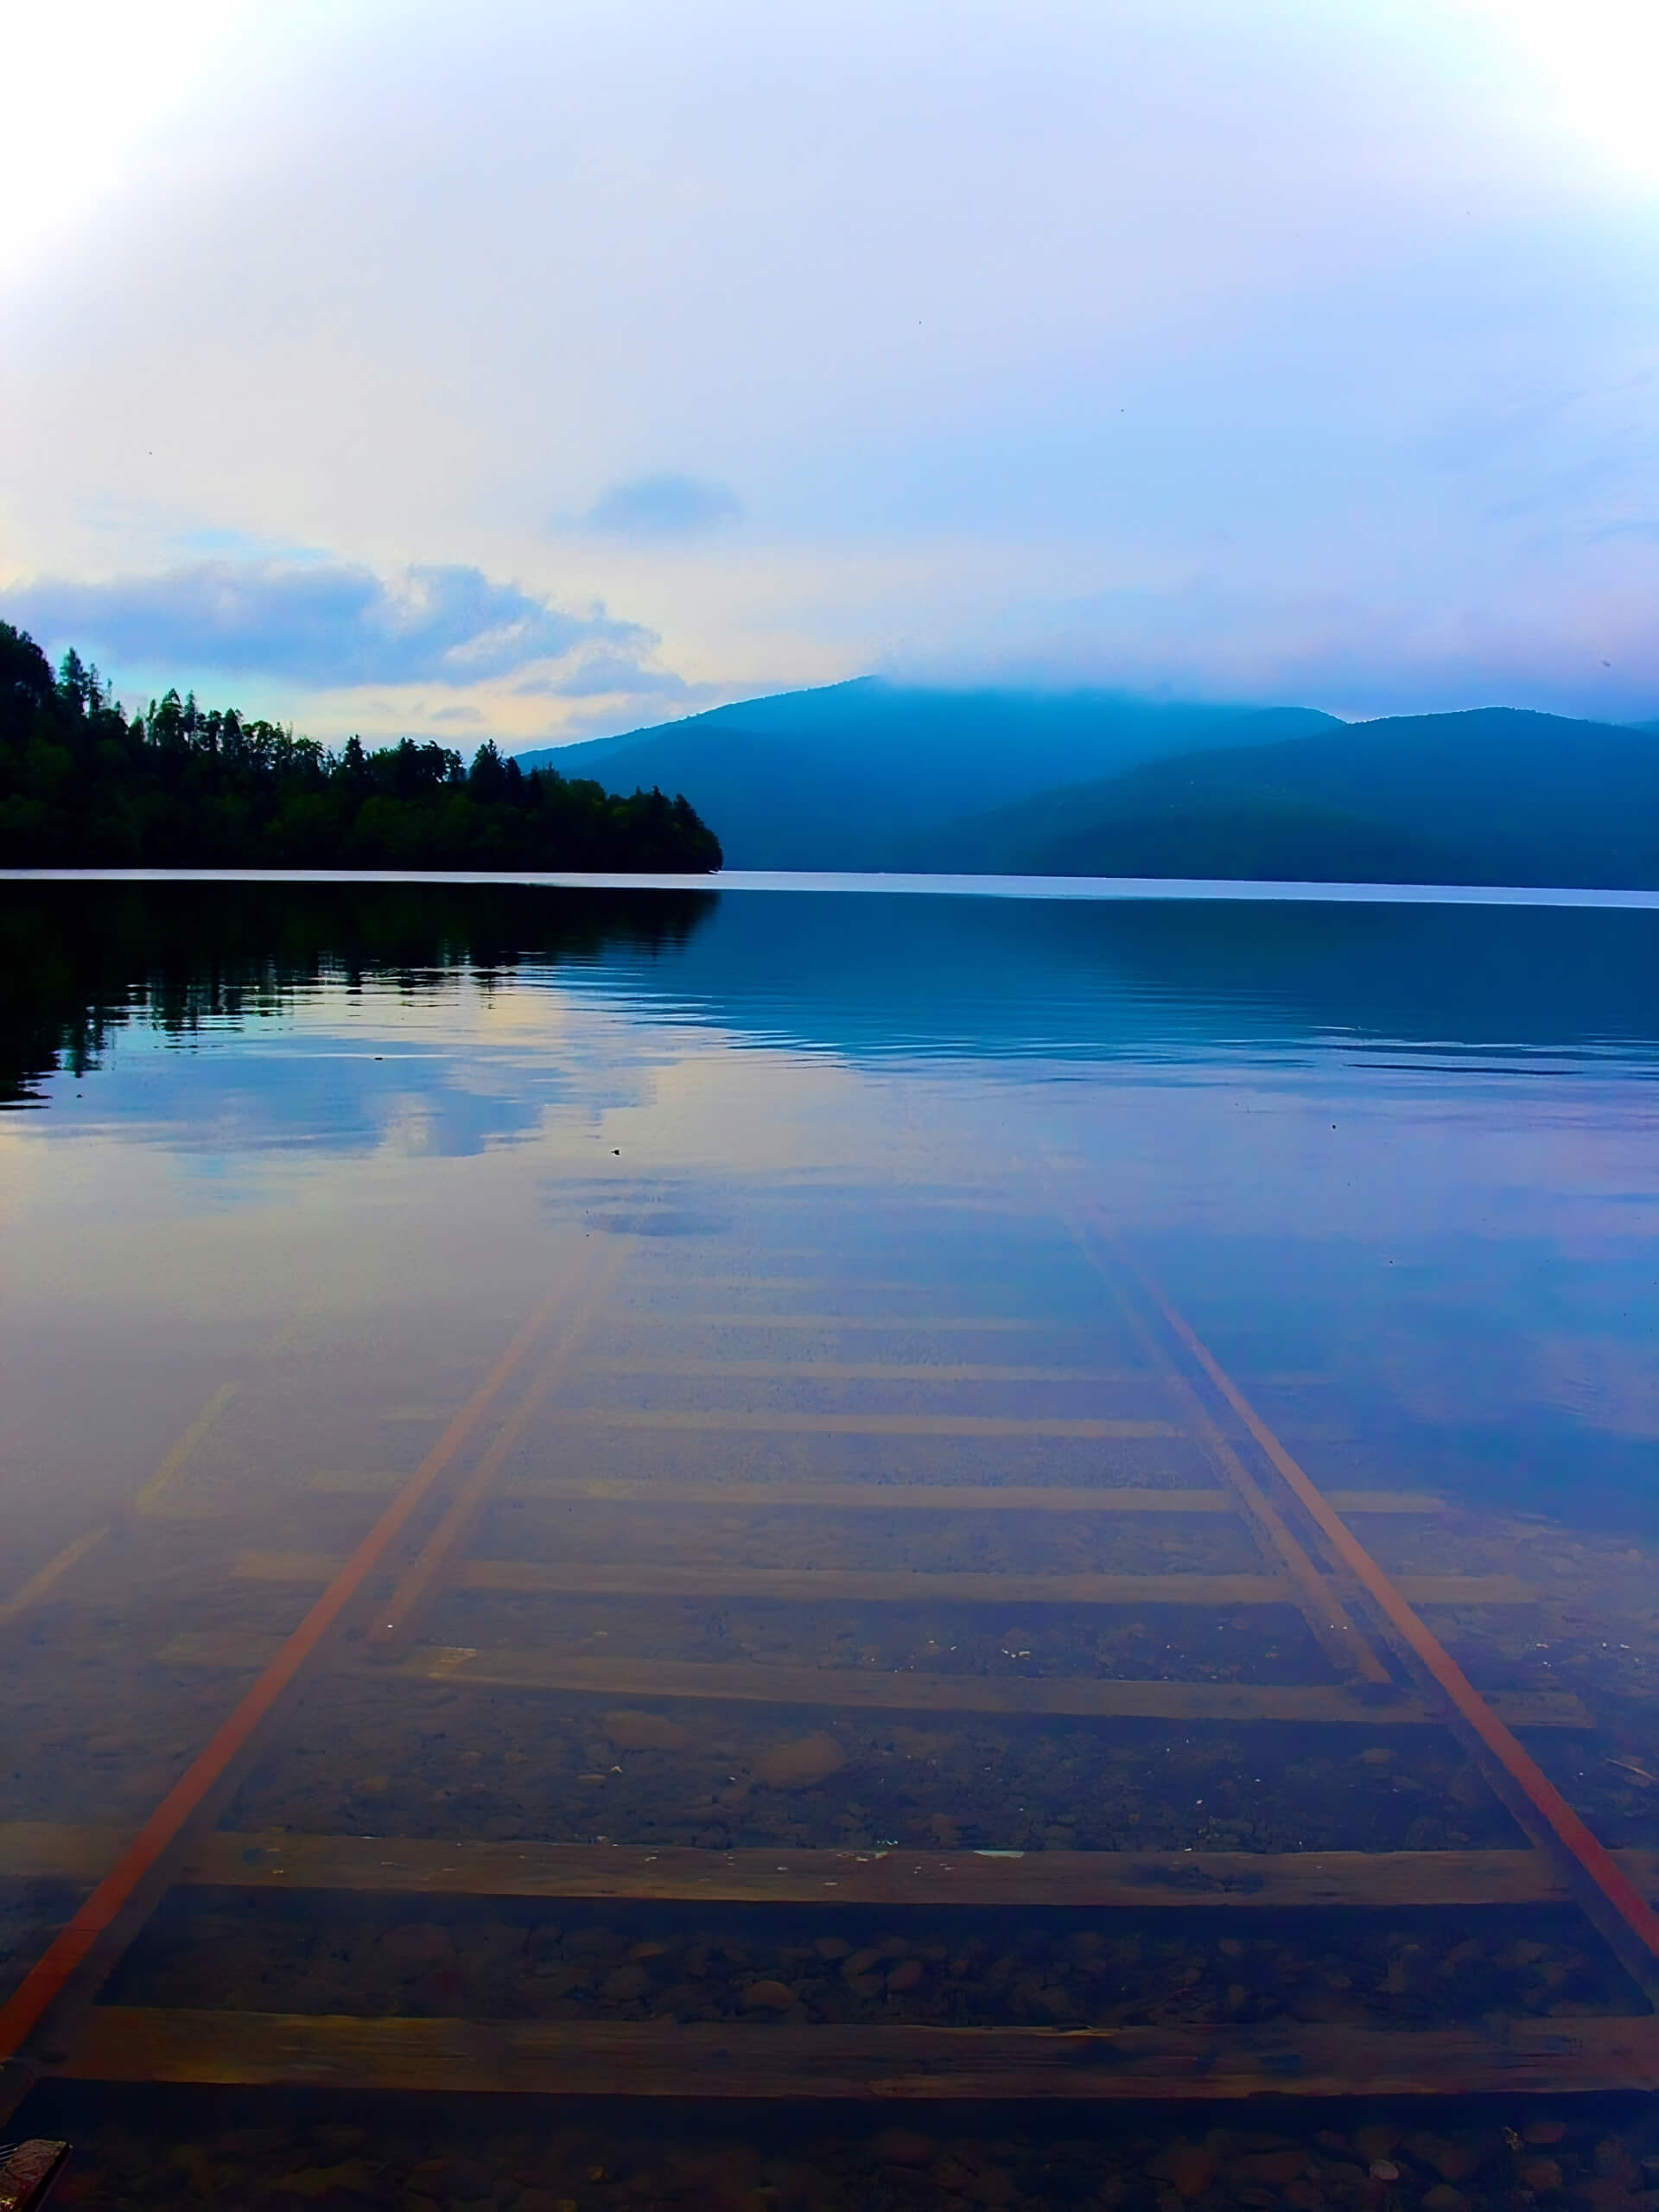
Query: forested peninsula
column 81, row 786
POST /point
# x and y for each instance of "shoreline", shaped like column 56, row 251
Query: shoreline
column 1034, row 888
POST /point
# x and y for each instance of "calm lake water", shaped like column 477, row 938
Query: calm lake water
column 871, row 1190
column 1410, row 1151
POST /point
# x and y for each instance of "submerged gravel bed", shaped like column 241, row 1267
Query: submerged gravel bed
column 417, row 1759
column 1153, row 1643
column 963, row 1968
column 936, row 1540
column 273, row 2153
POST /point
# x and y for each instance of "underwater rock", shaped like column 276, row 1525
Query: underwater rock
column 802, row 1764
column 1542, row 2175
column 768, row 1996
column 1189, row 2167
column 1454, row 2157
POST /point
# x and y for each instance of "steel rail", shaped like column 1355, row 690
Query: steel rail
column 398, row 1617
column 1534, row 1797
column 55, row 1973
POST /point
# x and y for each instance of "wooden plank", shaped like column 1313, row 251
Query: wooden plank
column 1388, row 1501
column 869, row 1370
column 30, row 2172
column 1264, row 1881
column 837, row 1585
column 54, row 1851
column 852, row 1689
column 809, row 1586
column 746, row 2059
column 859, row 1688
column 153, row 1498
column 853, row 1497
column 829, row 1495
column 833, row 1495
column 678, row 1286
column 878, row 1370
column 1378, row 1880
column 888, row 1324
column 1466, row 1589
column 355, row 1482
column 40, row 1584
column 851, row 1586
column 749, row 1422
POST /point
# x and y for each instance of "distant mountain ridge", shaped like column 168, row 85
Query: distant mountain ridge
column 864, row 774
column 1494, row 795
column 874, row 775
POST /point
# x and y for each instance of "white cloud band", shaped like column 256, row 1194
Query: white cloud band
column 325, row 624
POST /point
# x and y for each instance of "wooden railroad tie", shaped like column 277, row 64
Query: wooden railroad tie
column 864, row 1689
column 835, row 1586
column 782, row 1422
column 666, row 2059
column 828, row 1494
column 1380, row 1881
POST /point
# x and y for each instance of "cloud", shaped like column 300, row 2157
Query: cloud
column 602, row 675
column 665, row 505
column 1360, row 305
column 322, row 623
column 1346, row 647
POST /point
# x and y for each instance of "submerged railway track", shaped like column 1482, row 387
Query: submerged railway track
column 1169, row 1433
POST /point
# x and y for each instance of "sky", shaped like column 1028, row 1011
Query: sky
column 536, row 371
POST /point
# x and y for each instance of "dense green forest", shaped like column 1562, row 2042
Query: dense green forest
column 82, row 787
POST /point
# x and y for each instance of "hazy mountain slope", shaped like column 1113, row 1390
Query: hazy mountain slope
column 1494, row 796
column 864, row 774
column 777, row 805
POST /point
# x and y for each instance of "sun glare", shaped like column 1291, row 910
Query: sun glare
column 1592, row 69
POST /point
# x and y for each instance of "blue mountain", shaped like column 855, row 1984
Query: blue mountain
column 877, row 775
column 867, row 774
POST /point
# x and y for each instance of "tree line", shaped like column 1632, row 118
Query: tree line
column 84, row 786
column 79, row 961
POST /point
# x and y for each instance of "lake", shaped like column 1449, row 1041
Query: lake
column 788, row 1320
